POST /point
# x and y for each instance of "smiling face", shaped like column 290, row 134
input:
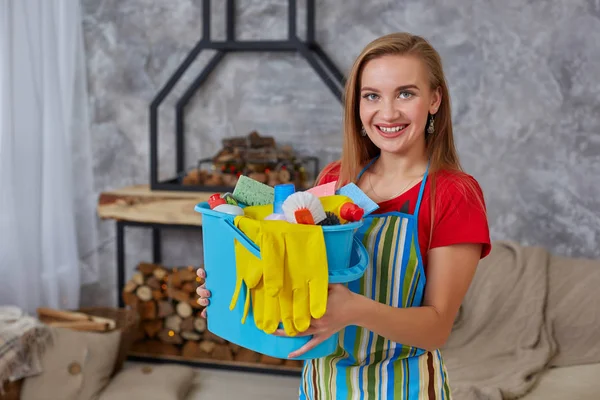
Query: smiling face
column 395, row 99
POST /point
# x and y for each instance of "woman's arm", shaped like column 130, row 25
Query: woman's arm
column 449, row 274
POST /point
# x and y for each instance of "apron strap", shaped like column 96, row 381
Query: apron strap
column 366, row 167
column 421, row 190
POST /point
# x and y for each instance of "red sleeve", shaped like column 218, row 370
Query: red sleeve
column 460, row 213
column 330, row 173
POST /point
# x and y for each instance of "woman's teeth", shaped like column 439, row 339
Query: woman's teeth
column 392, row 129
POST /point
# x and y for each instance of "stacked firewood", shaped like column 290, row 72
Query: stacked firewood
column 170, row 321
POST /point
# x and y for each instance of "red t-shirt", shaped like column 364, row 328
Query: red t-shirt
column 458, row 213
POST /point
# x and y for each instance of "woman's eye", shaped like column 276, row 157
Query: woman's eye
column 405, row 95
column 370, row 96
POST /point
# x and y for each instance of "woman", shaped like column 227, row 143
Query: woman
column 424, row 241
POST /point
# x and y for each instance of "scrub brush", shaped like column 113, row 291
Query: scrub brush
column 303, row 208
column 331, row 219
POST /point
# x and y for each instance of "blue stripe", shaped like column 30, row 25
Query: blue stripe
column 415, row 378
column 441, row 372
column 406, row 257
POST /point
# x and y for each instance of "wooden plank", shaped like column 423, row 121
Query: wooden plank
column 140, row 204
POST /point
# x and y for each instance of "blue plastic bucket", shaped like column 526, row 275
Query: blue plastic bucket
column 347, row 260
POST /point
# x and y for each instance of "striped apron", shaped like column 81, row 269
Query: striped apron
column 366, row 365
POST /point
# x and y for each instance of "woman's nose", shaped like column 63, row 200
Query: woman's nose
column 389, row 110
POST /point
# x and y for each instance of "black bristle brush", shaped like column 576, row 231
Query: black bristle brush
column 331, row 219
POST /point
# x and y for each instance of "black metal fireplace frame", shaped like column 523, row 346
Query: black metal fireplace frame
column 309, row 49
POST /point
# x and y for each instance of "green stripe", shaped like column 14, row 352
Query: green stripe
column 409, row 275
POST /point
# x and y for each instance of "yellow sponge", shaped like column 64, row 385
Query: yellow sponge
column 252, row 192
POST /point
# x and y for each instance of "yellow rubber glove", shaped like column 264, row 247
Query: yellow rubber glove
column 248, row 270
column 294, row 282
column 305, row 283
column 264, row 276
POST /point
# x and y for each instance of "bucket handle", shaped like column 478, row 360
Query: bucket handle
column 356, row 271
column 243, row 239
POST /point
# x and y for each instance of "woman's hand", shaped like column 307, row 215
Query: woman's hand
column 202, row 291
column 340, row 302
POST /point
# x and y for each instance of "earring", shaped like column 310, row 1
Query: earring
column 363, row 132
column 431, row 127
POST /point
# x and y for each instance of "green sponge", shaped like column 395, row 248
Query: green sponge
column 252, row 192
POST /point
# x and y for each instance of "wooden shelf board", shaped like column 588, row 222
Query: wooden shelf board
column 140, row 204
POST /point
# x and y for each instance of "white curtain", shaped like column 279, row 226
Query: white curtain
column 47, row 221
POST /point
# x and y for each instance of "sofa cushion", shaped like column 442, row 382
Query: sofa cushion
column 164, row 382
column 76, row 366
column 574, row 310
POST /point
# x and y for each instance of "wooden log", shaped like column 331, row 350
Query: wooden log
column 154, row 283
column 159, row 273
column 178, row 295
column 174, row 279
column 173, row 322
column 130, row 287
column 89, row 326
column 222, row 352
column 138, row 278
column 190, row 335
column 234, row 348
column 183, row 309
column 165, row 308
column 208, row 335
column 147, row 310
column 189, row 287
column 200, row 324
column 194, row 303
column 155, row 347
column 65, row 315
column 193, row 350
column 245, row 355
column 144, row 293
column 130, row 299
column 147, row 268
column 168, row 336
column 158, row 295
column 207, row 346
column 187, row 325
column 151, row 328
column 293, row 363
column 188, row 274
column 264, row 359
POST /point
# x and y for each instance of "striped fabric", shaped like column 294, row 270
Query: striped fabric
column 366, row 365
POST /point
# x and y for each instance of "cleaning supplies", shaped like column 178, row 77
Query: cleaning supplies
column 215, row 200
column 229, row 209
column 331, row 219
column 229, row 198
column 343, row 207
column 252, row 192
column 303, row 208
column 248, row 272
column 326, row 189
column 358, row 197
column 282, row 192
column 305, row 278
column 293, row 287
